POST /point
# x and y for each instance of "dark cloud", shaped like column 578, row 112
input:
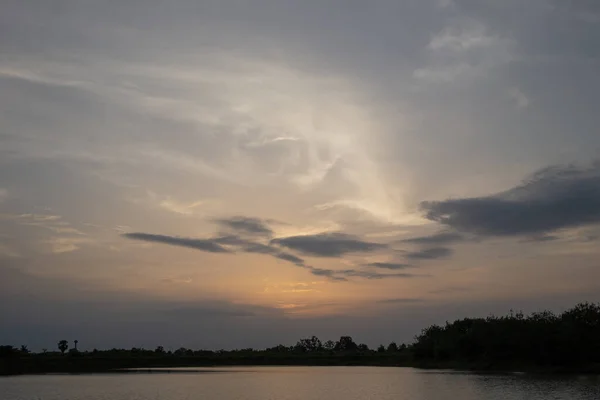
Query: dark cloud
column 552, row 199
column 436, row 239
column 214, row 245
column 291, row 258
column 254, row 226
column 209, row 245
column 344, row 274
column 238, row 244
column 374, row 275
column 542, row 238
column 259, row 248
column 387, row 265
column 430, row 253
column 248, row 246
column 265, row 249
column 327, row 244
column 230, row 240
column 329, row 273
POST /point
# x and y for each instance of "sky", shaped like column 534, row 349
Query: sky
column 230, row 174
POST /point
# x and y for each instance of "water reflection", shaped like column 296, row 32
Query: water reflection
column 306, row 383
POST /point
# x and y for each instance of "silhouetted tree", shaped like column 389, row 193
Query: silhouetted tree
column 392, row 347
column 8, row 351
column 381, row 348
column 159, row 350
column 363, row 347
column 63, row 345
column 329, row 345
column 76, row 341
column 308, row 345
column 346, row 344
column 24, row 349
column 278, row 349
column 182, row 351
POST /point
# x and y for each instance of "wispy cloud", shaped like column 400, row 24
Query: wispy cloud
column 247, row 225
column 461, row 39
column 54, row 223
column 209, row 245
column 430, row 253
column 236, row 244
column 377, row 275
column 180, row 208
column 390, row 265
column 66, row 244
column 8, row 251
column 328, row 244
column 436, row 239
column 460, row 49
column 520, row 99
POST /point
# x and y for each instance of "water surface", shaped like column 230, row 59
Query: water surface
column 291, row 383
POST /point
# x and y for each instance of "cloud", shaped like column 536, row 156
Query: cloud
column 436, row 239
column 405, row 300
column 462, row 48
column 542, row 238
column 430, row 253
column 54, row 223
column 31, row 218
column 66, row 244
column 235, row 244
column 6, row 251
column 247, row 225
column 291, row 258
column 442, row 73
column 234, row 240
column 179, row 207
column 553, row 198
column 248, row 246
column 521, row 100
column 461, row 39
column 327, row 244
column 387, row 265
column 329, row 273
column 209, row 245
column 251, row 247
column 215, row 245
column 375, row 275
column 344, row 274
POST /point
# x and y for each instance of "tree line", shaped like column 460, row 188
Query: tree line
column 543, row 338
column 569, row 340
column 311, row 345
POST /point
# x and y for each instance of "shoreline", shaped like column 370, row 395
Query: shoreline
column 195, row 368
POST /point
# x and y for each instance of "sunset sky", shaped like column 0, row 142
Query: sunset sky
column 228, row 173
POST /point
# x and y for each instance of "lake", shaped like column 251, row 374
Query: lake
column 305, row 383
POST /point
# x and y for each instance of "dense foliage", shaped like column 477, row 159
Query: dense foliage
column 541, row 338
column 568, row 341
